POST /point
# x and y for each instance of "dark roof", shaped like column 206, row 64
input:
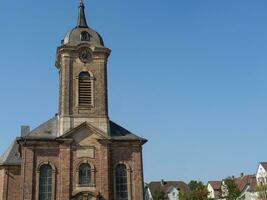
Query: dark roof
column 11, row 156
column 49, row 131
column 216, row 185
column 119, row 133
column 167, row 186
column 264, row 165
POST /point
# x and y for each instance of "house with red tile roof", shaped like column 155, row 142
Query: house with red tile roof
column 214, row 189
column 171, row 189
column 246, row 185
column 261, row 174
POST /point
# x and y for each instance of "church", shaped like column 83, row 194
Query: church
column 79, row 154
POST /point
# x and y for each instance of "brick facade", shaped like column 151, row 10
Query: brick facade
column 10, row 182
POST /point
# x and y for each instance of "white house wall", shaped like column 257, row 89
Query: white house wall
column 261, row 175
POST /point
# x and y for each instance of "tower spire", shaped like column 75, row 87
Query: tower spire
column 81, row 17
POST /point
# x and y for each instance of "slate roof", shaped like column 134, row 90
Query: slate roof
column 264, row 165
column 167, row 186
column 119, row 133
column 11, row 156
column 49, row 131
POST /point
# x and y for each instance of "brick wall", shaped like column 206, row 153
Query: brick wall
column 129, row 153
column 13, row 182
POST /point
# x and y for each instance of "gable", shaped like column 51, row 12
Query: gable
column 261, row 172
column 85, row 135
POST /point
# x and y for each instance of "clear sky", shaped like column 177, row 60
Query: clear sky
column 188, row 75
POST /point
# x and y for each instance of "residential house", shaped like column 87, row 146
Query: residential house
column 246, row 185
column 261, row 174
column 171, row 189
column 214, row 189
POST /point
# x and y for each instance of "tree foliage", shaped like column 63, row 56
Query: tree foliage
column 158, row 194
column 262, row 192
column 232, row 192
column 198, row 191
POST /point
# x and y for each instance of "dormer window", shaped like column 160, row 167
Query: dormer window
column 85, row 36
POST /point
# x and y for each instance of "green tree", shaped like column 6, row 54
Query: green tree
column 232, row 192
column 182, row 196
column 262, row 192
column 158, row 194
column 198, row 191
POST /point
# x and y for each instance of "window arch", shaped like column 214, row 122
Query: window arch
column 85, row 174
column 45, row 182
column 85, row 36
column 121, row 182
column 85, row 89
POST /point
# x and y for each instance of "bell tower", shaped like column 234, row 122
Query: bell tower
column 82, row 64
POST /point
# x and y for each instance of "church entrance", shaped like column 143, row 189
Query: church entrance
column 83, row 196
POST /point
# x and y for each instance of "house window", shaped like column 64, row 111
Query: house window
column 84, row 174
column 45, row 183
column 85, row 89
column 121, row 182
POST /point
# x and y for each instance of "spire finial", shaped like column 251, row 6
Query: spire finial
column 81, row 17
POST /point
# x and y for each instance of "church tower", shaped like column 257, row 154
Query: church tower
column 82, row 64
column 80, row 154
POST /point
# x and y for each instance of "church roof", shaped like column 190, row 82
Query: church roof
column 117, row 132
column 49, row 131
column 73, row 37
column 11, row 156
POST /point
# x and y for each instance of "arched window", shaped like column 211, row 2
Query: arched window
column 85, row 89
column 84, row 174
column 85, row 36
column 121, row 182
column 45, row 183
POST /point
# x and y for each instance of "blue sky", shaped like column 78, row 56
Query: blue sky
column 188, row 75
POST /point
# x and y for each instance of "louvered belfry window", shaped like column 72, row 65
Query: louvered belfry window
column 85, row 90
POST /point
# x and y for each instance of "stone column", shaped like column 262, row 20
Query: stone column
column 138, row 179
column 64, row 183
column 27, row 173
column 104, row 171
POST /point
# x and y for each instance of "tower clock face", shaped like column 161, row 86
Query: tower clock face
column 85, row 54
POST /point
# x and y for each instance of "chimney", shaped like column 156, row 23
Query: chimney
column 242, row 175
column 162, row 182
column 24, row 130
column 233, row 177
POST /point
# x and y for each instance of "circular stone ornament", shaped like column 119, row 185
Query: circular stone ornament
column 85, row 54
